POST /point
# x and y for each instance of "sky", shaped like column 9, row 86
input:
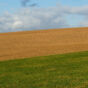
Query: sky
column 20, row 15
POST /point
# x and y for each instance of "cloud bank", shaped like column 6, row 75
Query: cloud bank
column 41, row 18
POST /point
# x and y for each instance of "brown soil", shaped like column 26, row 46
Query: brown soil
column 42, row 42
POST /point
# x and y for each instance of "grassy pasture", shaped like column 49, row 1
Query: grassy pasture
column 55, row 71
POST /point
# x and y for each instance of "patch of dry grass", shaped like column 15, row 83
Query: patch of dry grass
column 43, row 42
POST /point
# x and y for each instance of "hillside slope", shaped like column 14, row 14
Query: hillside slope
column 42, row 42
column 55, row 71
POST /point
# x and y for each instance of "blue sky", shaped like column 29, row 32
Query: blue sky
column 74, row 2
column 70, row 13
column 8, row 4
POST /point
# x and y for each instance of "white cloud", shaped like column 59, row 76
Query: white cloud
column 40, row 18
column 80, row 10
column 33, row 18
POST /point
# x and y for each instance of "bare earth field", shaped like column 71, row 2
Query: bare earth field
column 42, row 42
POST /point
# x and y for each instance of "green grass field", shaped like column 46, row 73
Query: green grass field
column 55, row 71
